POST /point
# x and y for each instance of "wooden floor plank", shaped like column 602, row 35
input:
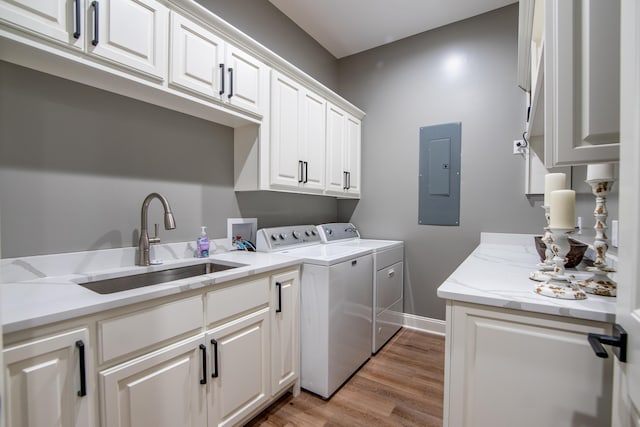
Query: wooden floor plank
column 402, row 385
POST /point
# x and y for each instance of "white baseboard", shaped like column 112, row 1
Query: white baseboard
column 425, row 324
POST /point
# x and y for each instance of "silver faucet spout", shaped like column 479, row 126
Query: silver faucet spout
column 145, row 241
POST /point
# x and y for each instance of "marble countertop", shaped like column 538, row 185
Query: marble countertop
column 497, row 274
column 44, row 289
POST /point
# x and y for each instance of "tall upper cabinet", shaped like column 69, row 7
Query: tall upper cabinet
column 568, row 60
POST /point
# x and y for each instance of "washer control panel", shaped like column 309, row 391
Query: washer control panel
column 280, row 238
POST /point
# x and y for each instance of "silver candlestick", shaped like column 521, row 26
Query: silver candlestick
column 560, row 285
column 600, row 283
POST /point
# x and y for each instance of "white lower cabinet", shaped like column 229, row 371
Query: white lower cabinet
column 239, row 379
column 49, row 382
column 285, row 345
column 515, row 368
column 207, row 359
column 162, row 389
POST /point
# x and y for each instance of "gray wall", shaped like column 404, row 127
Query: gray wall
column 462, row 72
column 265, row 23
column 76, row 163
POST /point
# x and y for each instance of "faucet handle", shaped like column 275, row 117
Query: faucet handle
column 155, row 238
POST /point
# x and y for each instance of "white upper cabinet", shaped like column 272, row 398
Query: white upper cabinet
column 343, row 153
column 131, row 33
column 298, row 121
column 205, row 64
column 582, row 82
column 569, row 62
column 59, row 20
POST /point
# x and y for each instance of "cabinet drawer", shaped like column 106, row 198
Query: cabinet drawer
column 388, row 257
column 236, row 300
column 134, row 331
column 388, row 286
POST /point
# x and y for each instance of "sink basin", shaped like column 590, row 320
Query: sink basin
column 125, row 283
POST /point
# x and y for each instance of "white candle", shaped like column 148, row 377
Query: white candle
column 552, row 182
column 601, row 171
column 562, row 210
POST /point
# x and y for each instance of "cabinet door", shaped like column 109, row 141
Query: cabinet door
column 131, row 33
column 508, row 369
column 55, row 19
column 352, row 155
column 313, row 122
column 196, row 57
column 239, row 368
column 248, row 78
column 285, row 314
column 162, row 389
column 286, row 162
column 582, row 82
column 336, row 138
column 44, row 382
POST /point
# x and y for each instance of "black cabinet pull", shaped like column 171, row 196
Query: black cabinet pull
column 203, row 349
column 618, row 340
column 96, row 19
column 83, row 372
column 230, row 83
column 221, row 79
column 306, row 172
column 76, row 33
column 344, row 176
column 300, row 171
column 279, row 287
column 214, row 374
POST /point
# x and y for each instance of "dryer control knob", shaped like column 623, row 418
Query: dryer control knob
column 307, row 233
column 296, row 235
column 283, row 236
column 313, row 232
column 274, row 237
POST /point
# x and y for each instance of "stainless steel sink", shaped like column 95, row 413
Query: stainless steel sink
column 125, row 283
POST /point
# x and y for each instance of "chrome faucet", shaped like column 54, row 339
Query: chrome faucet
column 145, row 241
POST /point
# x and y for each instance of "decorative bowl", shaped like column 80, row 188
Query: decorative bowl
column 573, row 257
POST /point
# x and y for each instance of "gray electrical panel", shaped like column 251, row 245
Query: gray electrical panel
column 439, row 174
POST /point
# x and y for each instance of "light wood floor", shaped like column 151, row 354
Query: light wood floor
column 402, row 385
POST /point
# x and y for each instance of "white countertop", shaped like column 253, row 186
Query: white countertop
column 497, row 274
column 40, row 290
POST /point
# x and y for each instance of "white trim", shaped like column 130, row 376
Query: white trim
column 424, row 324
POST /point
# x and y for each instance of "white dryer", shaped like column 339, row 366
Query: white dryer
column 335, row 305
column 388, row 269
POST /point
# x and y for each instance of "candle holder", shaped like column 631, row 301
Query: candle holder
column 600, row 283
column 547, row 265
column 559, row 284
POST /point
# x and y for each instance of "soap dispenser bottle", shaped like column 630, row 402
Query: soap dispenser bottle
column 203, row 243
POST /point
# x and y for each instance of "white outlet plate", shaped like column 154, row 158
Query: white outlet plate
column 245, row 227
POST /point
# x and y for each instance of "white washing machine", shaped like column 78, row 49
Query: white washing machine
column 388, row 268
column 335, row 305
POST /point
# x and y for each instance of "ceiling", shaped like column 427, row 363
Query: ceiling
column 345, row 27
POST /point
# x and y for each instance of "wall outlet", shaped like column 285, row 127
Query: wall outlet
column 519, row 146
